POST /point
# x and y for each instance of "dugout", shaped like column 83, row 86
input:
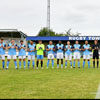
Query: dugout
column 64, row 40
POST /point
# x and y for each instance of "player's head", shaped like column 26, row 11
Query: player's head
column 96, row 42
column 40, row 41
column 12, row 41
column 31, row 42
column 77, row 42
column 60, row 42
column 50, row 42
column 68, row 42
column 21, row 42
column 2, row 40
column 86, row 42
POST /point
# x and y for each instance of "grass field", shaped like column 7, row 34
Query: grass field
column 49, row 84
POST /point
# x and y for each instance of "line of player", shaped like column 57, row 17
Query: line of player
column 38, row 49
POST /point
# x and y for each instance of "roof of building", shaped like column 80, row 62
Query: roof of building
column 11, row 33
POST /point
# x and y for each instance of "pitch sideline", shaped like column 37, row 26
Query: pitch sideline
column 98, row 93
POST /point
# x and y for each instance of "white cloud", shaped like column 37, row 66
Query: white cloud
column 30, row 15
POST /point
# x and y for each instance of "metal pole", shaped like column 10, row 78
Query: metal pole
column 48, row 15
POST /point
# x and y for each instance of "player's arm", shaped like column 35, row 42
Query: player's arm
column 4, row 47
column 54, row 49
column 43, row 47
column 34, row 49
column 28, row 49
column 37, row 47
column 16, row 47
column 83, row 49
column 71, row 49
column 8, row 47
column 63, row 48
column 47, row 49
column 80, row 48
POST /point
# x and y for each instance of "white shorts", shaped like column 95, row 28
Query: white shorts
column 31, row 57
column 2, row 57
column 11, row 57
column 22, row 57
column 77, row 55
column 86, row 56
column 60, row 55
column 50, row 56
column 68, row 57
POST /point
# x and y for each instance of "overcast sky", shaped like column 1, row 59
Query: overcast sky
column 30, row 16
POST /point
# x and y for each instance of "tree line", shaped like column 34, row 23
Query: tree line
column 49, row 32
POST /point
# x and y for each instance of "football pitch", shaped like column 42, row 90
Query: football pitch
column 49, row 84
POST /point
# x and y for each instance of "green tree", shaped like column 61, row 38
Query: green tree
column 46, row 32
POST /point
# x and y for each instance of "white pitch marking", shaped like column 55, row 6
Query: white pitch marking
column 98, row 93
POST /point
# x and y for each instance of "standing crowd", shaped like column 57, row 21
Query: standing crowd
column 70, row 51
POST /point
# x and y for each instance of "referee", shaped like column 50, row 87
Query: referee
column 95, row 53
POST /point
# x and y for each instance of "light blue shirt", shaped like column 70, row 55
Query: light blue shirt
column 78, row 46
column 59, row 46
column 22, row 51
column 86, row 52
column 31, row 47
column 2, row 51
column 68, row 51
column 50, row 47
column 12, row 50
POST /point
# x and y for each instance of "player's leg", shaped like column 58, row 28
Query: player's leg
column 74, row 63
column 84, row 59
column 52, row 61
column 97, row 61
column 93, row 61
column 66, row 58
column 88, row 58
column 57, row 60
column 41, row 57
column 3, row 61
column 70, row 58
column 62, row 60
column 48, row 61
column 15, row 61
column 20, row 58
column 29, row 59
column 38, row 57
column 24, row 61
column 33, row 59
column 8, row 61
column 61, row 63
column 79, row 56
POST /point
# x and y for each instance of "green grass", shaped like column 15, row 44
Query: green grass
column 49, row 84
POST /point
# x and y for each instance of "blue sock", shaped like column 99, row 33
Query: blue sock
column 88, row 64
column 24, row 64
column 52, row 63
column 57, row 65
column 28, row 64
column 70, row 63
column 8, row 64
column 15, row 64
column 33, row 64
column 74, row 64
column 66, row 63
column 83, row 64
column 3, row 64
column 20, row 64
column 48, row 63
column 78, row 63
